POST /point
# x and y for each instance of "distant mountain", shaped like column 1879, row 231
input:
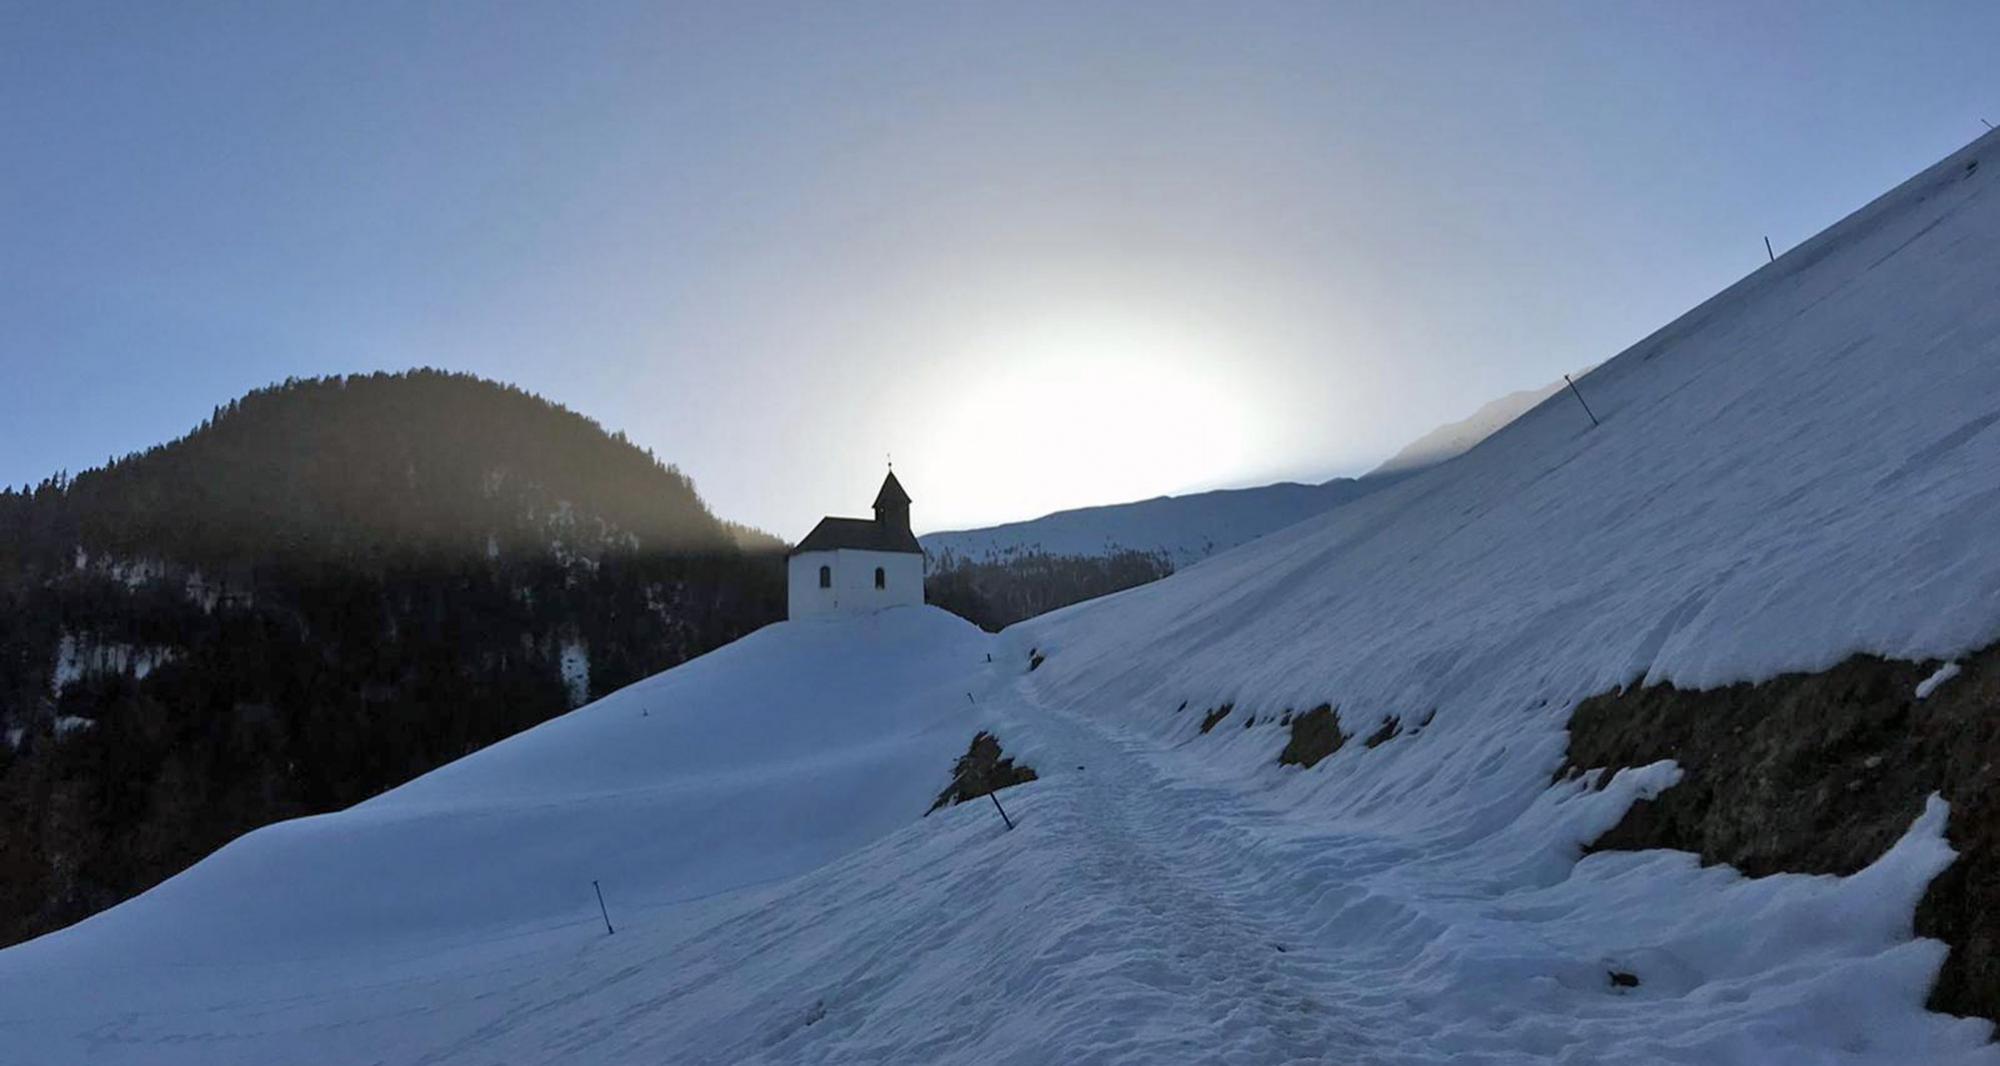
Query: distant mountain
column 999, row 575
column 1180, row 530
column 330, row 586
column 1457, row 438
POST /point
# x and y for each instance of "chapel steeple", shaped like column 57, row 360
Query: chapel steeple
column 892, row 505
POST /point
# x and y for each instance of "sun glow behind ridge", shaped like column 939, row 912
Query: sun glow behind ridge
column 1052, row 411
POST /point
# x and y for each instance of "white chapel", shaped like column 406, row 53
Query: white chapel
column 853, row 565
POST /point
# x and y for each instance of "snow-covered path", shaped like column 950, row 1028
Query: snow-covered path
column 1123, row 920
column 1132, row 917
column 1140, row 915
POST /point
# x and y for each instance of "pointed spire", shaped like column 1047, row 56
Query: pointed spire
column 892, row 506
column 892, row 493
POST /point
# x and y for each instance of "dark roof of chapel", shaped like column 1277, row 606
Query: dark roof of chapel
column 892, row 493
column 863, row 533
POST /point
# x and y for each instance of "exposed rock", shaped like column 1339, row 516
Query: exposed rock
column 1385, row 734
column 982, row 769
column 1215, row 715
column 1821, row 773
column 1315, row 735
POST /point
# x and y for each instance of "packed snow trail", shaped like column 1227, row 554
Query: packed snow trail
column 1136, row 917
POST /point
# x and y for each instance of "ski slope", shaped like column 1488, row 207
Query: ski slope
column 1800, row 468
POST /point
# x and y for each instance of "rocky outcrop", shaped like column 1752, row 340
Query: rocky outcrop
column 1821, row 773
column 1315, row 735
column 982, row 769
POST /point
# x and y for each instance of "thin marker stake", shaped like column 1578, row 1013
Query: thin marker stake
column 600, row 909
column 990, row 794
column 1580, row 399
column 960, row 782
column 1768, row 251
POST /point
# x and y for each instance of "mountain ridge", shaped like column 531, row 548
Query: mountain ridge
column 999, row 575
column 1188, row 527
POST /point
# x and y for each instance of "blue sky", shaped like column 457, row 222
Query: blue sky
column 1046, row 255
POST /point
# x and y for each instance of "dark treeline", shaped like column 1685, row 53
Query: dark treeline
column 996, row 593
column 328, row 588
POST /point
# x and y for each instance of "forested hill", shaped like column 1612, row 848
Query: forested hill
column 368, row 467
column 330, row 586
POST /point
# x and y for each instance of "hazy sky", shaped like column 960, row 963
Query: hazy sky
column 1046, row 255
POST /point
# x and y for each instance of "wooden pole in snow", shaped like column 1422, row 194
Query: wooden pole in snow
column 600, row 909
column 990, row 794
column 1580, row 399
column 1768, row 251
column 961, row 782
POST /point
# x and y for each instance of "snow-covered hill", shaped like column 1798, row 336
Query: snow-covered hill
column 1799, row 468
column 759, row 760
column 1187, row 529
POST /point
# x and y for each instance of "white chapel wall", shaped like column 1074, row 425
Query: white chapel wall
column 853, row 581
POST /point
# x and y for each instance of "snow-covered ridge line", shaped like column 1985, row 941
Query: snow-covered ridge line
column 1182, row 529
column 1186, row 529
column 1456, row 438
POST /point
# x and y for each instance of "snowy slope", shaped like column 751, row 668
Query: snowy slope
column 1799, row 468
column 760, row 760
column 1187, row 529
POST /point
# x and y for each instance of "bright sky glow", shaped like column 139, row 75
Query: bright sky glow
column 1047, row 255
column 1075, row 406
